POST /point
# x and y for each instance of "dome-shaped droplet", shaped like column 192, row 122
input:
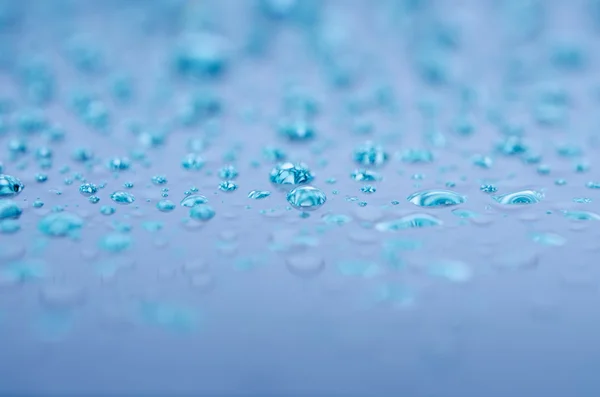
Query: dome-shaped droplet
column 409, row 222
column 522, row 197
column 202, row 212
column 165, row 205
column 9, row 210
column 306, row 198
column 122, row 197
column 436, row 198
column 10, row 186
column 370, row 154
column 291, row 174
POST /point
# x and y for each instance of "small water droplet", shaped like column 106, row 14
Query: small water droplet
column 165, row 205
column 291, row 174
column 370, row 154
column 202, row 212
column 228, row 186
column 409, row 222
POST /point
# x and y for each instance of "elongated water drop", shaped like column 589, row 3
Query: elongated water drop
column 122, row 197
column 408, row 222
column 522, row 197
column 436, row 198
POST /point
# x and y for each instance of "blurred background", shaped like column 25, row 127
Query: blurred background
column 151, row 242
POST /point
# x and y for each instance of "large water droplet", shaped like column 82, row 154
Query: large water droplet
column 10, row 186
column 522, row 197
column 409, row 222
column 436, row 198
column 306, row 198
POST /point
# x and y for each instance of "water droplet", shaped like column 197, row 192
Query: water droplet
column 549, row 239
column 523, row 197
column 202, row 212
column 9, row 226
column 581, row 215
column 121, row 197
column 228, row 186
column 60, row 224
column 10, row 186
column 436, row 198
column 482, row 161
column 306, row 198
column 38, row 204
column 465, row 213
column 192, row 162
column 119, row 164
column 582, row 200
column 165, row 205
column 336, row 219
column 193, row 200
column 107, row 210
column 368, row 189
column 363, row 175
column 488, row 188
column 115, row 242
column 305, row 266
column 451, row 270
column 159, row 179
column 370, row 154
column 88, row 189
column 291, row 174
column 9, row 209
column 228, row 173
column 259, row 194
column 409, row 222
column 297, row 131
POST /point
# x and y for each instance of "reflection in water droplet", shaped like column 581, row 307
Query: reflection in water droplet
column 436, row 198
column 306, row 198
column 409, row 222
column 193, row 200
column 60, row 224
column 305, row 266
column 520, row 198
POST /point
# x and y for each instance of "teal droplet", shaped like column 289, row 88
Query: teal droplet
column 291, row 174
column 370, row 154
column 165, row 205
column 259, row 194
column 436, row 198
column 88, row 189
column 60, row 224
column 193, row 200
column 115, row 242
column 409, row 222
column 9, row 209
column 228, row 186
column 523, row 197
column 202, row 212
column 121, row 197
column 363, row 175
column 581, row 215
column 306, row 198
column 107, row 210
